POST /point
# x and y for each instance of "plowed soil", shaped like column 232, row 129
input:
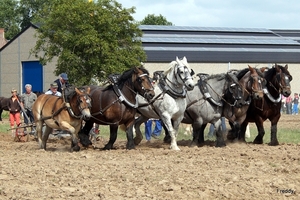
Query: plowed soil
column 152, row 171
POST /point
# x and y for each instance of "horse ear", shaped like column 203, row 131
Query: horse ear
column 77, row 91
column 88, row 90
column 177, row 59
column 184, row 59
column 136, row 70
column 286, row 67
column 277, row 68
column 263, row 69
column 250, row 68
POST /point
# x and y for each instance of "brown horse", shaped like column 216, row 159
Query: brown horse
column 252, row 82
column 62, row 113
column 3, row 105
column 116, row 104
column 278, row 82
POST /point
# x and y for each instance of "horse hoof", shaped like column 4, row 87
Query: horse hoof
column 137, row 141
column 130, row 147
column 220, row 145
column 193, row 144
column 258, row 141
column 76, row 148
column 176, row 148
column 275, row 143
column 167, row 139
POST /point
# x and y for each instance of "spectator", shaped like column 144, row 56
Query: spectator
column 62, row 82
column 54, row 90
column 148, row 129
column 14, row 108
column 28, row 98
column 288, row 102
column 295, row 104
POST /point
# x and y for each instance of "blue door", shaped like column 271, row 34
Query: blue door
column 32, row 74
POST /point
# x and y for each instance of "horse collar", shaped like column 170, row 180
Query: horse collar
column 123, row 98
column 203, row 89
column 167, row 89
column 267, row 93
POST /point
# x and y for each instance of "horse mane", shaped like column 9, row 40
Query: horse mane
column 172, row 64
column 217, row 76
column 242, row 73
column 269, row 73
column 126, row 76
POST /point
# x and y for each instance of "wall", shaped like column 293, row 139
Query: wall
column 11, row 58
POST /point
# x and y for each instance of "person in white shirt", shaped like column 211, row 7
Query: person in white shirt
column 53, row 90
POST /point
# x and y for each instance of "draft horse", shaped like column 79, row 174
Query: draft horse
column 278, row 83
column 205, row 104
column 64, row 113
column 116, row 104
column 3, row 105
column 169, row 102
column 252, row 82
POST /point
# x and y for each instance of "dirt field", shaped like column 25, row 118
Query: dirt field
column 152, row 171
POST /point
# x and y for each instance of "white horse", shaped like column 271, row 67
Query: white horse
column 169, row 102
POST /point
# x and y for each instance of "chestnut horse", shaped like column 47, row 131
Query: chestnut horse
column 278, row 83
column 62, row 113
column 116, row 104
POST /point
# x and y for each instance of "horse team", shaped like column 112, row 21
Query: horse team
column 242, row 96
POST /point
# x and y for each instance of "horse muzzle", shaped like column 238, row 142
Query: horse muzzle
column 189, row 85
column 257, row 95
column 286, row 92
column 149, row 95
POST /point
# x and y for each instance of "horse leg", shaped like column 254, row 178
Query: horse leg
column 220, row 142
column 83, row 134
column 113, row 136
column 231, row 135
column 75, row 139
column 1, row 110
column 45, row 136
column 167, row 121
column 198, row 134
column 274, row 140
column 39, row 126
column 242, row 131
column 129, row 133
column 138, row 134
column 261, row 132
column 167, row 138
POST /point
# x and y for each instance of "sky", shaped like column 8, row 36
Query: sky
column 270, row 14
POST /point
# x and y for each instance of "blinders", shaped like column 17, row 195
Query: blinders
column 283, row 82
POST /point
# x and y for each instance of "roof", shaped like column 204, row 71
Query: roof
column 14, row 38
column 220, row 44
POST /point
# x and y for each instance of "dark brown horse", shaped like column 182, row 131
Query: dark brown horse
column 252, row 82
column 61, row 113
column 278, row 82
column 116, row 104
column 3, row 105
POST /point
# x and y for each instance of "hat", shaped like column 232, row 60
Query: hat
column 13, row 90
column 64, row 76
column 54, row 85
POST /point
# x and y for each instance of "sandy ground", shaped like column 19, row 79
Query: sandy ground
column 152, row 171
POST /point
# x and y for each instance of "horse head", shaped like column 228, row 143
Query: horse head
column 283, row 79
column 255, row 82
column 142, row 83
column 83, row 102
column 184, row 73
column 235, row 92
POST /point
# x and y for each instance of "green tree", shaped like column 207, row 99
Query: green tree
column 91, row 40
column 152, row 19
column 27, row 10
column 9, row 18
